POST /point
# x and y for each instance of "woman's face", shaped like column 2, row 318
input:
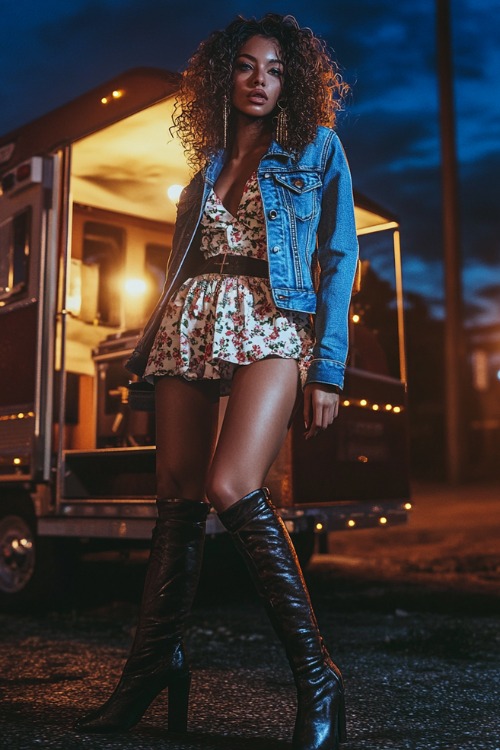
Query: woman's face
column 257, row 77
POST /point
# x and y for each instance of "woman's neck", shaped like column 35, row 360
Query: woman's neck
column 251, row 136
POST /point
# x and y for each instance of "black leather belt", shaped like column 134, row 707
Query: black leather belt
column 234, row 265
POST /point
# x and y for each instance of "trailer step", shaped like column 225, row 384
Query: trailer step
column 110, row 473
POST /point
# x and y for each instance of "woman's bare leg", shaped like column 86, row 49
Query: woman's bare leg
column 256, row 425
column 186, row 430
column 257, row 418
column 186, row 418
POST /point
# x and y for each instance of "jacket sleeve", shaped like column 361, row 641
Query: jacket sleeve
column 337, row 258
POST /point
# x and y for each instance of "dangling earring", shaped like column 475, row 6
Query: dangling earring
column 225, row 120
column 282, row 124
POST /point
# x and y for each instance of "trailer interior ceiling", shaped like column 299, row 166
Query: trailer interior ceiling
column 129, row 166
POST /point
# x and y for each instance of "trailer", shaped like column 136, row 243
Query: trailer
column 87, row 209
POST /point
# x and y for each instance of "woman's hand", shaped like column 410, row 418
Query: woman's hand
column 321, row 406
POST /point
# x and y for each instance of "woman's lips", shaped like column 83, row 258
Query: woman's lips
column 258, row 97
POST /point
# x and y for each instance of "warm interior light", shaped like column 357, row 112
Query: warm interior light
column 388, row 407
column 319, row 527
column 16, row 461
column 375, row 407
column 116, row 94
column 382, row 520
column 407, row 506
column 351, row 523
column 356, row 318
column 174, row 192
column 135, row 287
column 363, row 402
column 397, row 409
column 346, row 402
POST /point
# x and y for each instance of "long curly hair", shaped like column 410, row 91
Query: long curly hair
column 313, row 90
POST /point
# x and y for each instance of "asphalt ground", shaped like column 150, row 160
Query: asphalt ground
column 451, row 544
column 410, row 614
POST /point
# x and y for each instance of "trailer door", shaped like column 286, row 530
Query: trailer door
column 28, row 273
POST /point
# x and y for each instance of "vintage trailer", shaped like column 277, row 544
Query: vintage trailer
column 87, row 206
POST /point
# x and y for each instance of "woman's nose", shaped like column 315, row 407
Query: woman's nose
column 260, row 78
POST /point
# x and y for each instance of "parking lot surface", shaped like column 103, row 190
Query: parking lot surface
column 411, row 615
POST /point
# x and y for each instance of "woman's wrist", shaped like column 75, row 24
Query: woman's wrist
column 330, row 387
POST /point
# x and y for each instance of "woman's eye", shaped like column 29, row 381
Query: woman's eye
column 243, row 66
column 276, row 72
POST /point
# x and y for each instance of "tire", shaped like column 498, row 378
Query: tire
column 32, row 574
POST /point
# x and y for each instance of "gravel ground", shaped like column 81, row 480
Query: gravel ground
column 413, row 680
column 418, row 643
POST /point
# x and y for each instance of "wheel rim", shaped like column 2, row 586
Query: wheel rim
column 17, row 554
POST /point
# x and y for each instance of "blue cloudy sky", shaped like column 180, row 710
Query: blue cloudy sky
column 54, row 50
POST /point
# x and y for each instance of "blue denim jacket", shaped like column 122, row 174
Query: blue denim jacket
column 309, row 215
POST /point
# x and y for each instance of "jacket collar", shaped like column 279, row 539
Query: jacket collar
column 276, row 149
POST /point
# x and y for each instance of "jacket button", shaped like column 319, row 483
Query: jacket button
column 275, row 249
column 267, row 174
column 299, row 182
column 272, row 213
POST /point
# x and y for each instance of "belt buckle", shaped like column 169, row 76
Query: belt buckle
column 222, row 263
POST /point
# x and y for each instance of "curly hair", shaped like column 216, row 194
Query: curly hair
column 313, row 89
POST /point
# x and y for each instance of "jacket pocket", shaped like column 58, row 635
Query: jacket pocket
column 300, row 192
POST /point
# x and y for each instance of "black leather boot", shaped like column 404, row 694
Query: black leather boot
column 262, row 539
column 157, row 659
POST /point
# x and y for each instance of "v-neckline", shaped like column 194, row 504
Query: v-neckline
column 245, row 187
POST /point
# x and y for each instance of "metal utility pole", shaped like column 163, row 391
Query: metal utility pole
column 454, row 352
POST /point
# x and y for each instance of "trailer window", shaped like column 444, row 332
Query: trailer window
column 103, row 258
column 15, row 243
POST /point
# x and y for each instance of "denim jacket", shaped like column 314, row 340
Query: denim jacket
column 309, row 215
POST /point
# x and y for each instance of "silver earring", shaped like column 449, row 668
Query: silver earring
column 282, row 125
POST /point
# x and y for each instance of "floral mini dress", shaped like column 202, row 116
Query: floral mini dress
column 215, row 323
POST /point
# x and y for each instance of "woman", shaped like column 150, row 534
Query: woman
column 271, row 210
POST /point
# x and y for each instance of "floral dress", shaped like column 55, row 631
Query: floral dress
column 215, row 323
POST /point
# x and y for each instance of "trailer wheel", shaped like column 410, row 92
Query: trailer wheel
column 29, row 572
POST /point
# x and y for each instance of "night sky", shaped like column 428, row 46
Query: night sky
column 54, row 50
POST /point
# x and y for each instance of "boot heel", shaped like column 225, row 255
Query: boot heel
column 341, row 719
column 178, row 703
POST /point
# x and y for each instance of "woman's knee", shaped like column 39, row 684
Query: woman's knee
column 171, row 484
column 224, row 489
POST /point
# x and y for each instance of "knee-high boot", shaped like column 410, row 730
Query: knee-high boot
column 262, row 539
column 157, row 659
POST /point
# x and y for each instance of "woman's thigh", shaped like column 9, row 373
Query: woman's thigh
column 258, row 415
column 186, row 430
